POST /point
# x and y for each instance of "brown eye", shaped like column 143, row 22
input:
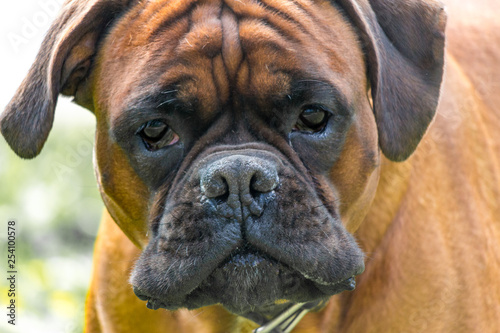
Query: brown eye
column 156, row 134
column 312, row 119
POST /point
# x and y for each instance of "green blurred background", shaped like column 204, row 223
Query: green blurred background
column 53, row 198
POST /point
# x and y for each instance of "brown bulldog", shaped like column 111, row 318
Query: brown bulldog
column 250, row 151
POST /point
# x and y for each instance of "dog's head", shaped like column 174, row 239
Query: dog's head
column 237, row 143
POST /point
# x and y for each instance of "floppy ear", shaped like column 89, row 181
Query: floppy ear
column 61, row 66
column 404, row 45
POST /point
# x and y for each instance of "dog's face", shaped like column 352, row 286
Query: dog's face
column 236, row 140
column 233, row 131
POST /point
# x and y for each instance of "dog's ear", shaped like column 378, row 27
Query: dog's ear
column 61, row 66
column 404, row 46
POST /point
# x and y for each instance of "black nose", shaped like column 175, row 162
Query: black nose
column 238, row 179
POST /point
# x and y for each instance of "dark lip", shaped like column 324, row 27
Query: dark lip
column 247, row 256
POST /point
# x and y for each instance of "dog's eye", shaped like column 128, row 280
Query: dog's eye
column 156, row 134
column 312, row 119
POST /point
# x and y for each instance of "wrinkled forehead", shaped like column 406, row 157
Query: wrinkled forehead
column 212, row 51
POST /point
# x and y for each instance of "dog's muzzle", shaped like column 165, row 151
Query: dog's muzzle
column 245, row 229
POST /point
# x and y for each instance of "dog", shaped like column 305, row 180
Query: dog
column 260, row 158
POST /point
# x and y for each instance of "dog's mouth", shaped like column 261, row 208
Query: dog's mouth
column 270, row 242
column 252, row 283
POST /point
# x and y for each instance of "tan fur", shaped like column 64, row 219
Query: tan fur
column 431, row 234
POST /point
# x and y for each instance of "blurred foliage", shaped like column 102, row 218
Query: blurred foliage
column 55, row 201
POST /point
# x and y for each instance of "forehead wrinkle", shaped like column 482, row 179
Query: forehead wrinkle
column 221, row 79
column 270, row 60
column 317, row 27
column 158, row 14
column 204, row 37
column 232, row 53
column 262, row 42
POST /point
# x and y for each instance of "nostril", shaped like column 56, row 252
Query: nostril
column 215, row 187
column 263, row 181
column 253, row 191
column 238, row 180
column 221, row 199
